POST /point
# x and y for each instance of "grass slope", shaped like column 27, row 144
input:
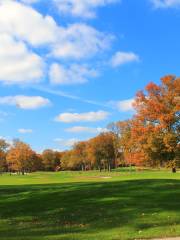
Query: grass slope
column 89, row 206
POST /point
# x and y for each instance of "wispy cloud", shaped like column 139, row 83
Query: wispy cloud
column 73, row 74
column 77, row 8
column 122, row 105
column 71, row 39
column 70, row 96
column 3, row 115
column 166, row 3
column 81, row 129
column 82, row 8
column 66, row 143
column 25, row 130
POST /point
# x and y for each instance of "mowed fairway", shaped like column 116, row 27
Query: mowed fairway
column 89, row 206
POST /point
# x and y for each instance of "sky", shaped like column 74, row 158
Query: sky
column 70, row 67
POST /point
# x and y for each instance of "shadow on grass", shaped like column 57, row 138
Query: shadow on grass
column 34, row 211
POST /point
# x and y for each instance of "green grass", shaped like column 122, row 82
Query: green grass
column 90, row 206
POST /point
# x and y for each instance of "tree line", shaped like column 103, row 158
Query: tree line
column 150, row 138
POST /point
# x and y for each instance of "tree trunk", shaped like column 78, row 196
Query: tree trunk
column 82, row 167
column 109, row 167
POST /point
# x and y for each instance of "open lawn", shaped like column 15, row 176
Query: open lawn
column 90, row 206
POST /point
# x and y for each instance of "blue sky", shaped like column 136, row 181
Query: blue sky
column 69, row 67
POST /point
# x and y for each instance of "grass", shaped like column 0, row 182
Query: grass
column 90, row 206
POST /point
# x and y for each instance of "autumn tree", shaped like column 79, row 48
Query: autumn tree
column 68, row 161
column 80, row 155
column 156, row 126
column 50, row 159
column 103, row 151
column 20, row 157
column 35, row 162
column 96, row 153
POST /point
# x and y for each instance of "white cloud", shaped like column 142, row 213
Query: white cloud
column 17, row 63
column 30, row 1
column 80, row 41
column 23, row 29
column 166, row 3
column 81, row 129
column 81, row 8
column 77, row 8
column 82, row 117
column 70, row 75
column 26, row 24
column 66, row 142
column 25, row 102
column 25, row 130
column 123, row 106
column 121, row 58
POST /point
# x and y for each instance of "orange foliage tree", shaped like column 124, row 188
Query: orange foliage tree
column 51, row 160
column 102, row 151
column 21, row 158
column 154, row 134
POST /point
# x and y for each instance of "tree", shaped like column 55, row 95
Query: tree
column 156, row 126
column 127, row 146
column 51, row 159
column 68, row 161
column 35, row 162
column 114, row 128
column 80, row 155
column 20, row 157
column 3, row 148
column 102, row 151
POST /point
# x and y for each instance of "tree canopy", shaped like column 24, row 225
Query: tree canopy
column 150, row 138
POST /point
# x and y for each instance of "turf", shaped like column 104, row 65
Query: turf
column 90, row 206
